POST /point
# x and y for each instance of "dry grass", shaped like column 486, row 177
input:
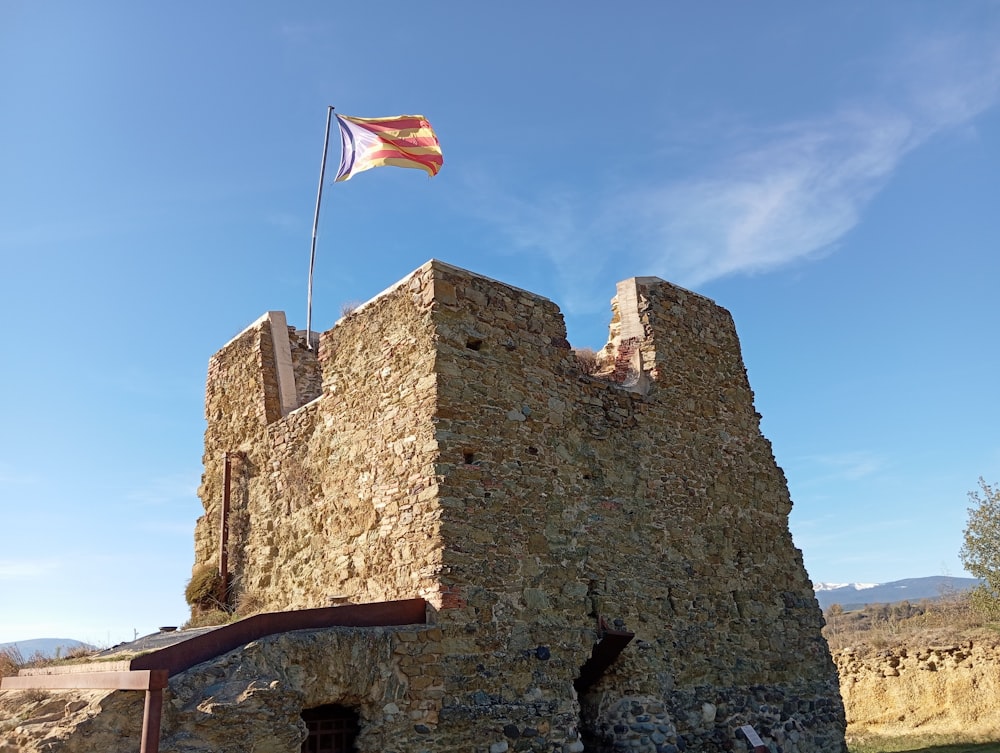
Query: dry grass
column 10, row 661
column 587, row 360
column 248, row 604
column 203, row 590
column 208, row 618
column 930, row 622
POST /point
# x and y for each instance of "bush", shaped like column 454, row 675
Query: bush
column 80, row 652
column 10, row 661
column 946, row 619
column 208, row 618
column 203, row 590
column 981, row 551
column 249, row 603
column 587, row 359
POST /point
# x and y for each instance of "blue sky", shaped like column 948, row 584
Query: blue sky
column 827, row 172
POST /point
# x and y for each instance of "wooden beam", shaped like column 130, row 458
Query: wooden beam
column 142, row 679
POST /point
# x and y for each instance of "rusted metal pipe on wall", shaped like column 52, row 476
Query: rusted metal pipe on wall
column 227, row 478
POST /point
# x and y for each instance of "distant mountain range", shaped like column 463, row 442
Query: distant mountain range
column 856, row 595
column 50, row 648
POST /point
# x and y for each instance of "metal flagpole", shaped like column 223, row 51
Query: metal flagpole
column 312, row 253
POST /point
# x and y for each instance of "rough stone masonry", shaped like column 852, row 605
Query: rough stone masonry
column 444, row 442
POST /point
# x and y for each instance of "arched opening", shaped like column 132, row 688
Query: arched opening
column 332, row 729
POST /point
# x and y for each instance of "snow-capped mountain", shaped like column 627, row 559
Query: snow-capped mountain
column 817, row 587
column 852, row 595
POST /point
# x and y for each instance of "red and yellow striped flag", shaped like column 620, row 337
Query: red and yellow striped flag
column 401, row 141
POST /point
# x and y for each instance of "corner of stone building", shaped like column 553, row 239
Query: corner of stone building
column 333, row 486
column 257, row 378
column 235, row 416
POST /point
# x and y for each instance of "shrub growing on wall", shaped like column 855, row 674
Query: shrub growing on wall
column 587, row 360
column 203, row 589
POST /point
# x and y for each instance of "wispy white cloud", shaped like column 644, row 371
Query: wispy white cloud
column 284, row 220
column 298, row 30
column 12, row 477
column 556, row 225
column 948, row 79
column 844, row 466
column 993, row 464
column 792, row 195
column 179, row 528
column 815, row 480
column 142, row 381
column 166, row 490
column 26, row 569
column 788, row 192
column 58, row 233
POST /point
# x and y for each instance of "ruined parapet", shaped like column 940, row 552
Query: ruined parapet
column 457, row 452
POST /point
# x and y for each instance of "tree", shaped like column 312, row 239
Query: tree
column 981, row 551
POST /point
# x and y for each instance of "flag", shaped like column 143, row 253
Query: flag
column 401, row 141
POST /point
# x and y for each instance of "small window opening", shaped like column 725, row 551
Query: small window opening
column 473, row 343
column 469, row 458
column 532, row 450
column 332, row 729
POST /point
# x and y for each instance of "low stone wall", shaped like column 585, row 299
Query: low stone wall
column 249, row 699
column 70, row 721
column 646, row 725
column 949, row 691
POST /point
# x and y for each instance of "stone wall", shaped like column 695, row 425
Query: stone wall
column 458, row 452
column 246, row 700
column 333, row 498
column 445, row 443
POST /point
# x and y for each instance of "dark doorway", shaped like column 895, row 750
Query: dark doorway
column 332, row 729
column 595, row 735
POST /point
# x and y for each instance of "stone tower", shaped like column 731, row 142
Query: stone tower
column 444, row 442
